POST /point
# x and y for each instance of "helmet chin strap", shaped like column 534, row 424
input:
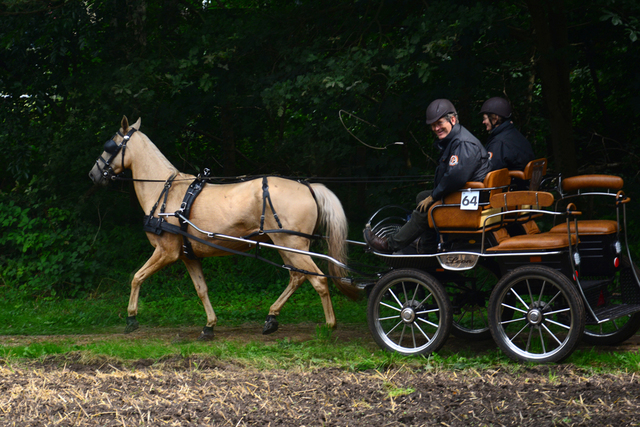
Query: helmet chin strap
column 496, row 124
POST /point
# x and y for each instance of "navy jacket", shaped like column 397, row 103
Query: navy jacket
column 508, row 148
column 463, row 159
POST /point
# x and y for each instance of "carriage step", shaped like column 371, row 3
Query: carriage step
column 615, row 312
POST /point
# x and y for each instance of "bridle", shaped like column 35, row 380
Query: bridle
column 111, row 147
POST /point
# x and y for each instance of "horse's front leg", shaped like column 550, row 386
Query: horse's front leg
column 158, row 259
column 197, row 277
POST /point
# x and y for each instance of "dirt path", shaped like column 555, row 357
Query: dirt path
column 176, row 393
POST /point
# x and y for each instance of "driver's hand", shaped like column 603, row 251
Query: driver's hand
column 424, row 205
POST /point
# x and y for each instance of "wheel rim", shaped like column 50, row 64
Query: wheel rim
column 620, row 329
column 611, row 328
column 407, row 316
column 542, row 321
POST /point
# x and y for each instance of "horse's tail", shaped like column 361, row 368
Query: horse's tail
column 334, row 221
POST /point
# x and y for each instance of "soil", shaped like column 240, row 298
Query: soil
column 205, row 391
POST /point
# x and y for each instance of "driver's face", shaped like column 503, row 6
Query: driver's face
column 442, row 127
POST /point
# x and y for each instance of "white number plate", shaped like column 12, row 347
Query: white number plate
column 470, row 200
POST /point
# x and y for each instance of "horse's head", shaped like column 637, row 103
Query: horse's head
column 107, row 166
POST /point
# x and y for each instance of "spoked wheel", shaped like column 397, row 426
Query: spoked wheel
column 612, row 332
column 621, row 329
column 548, row 315
column 469, row 292
column 409, row 313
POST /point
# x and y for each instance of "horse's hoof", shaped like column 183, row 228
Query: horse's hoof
column 132, row 325
column 206, row 334
column 270, row 325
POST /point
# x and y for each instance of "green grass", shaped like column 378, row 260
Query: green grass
column 232, row 307
column 168, row 300
column 317, row 353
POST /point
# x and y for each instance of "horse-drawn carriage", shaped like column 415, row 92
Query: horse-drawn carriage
column 538, row 293
column 495, row 273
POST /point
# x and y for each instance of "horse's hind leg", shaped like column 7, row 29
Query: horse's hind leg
column 197, row 277
column 271, row 324
column 319, row 283
column 158, row 259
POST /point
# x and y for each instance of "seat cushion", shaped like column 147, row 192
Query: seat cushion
column 589, row 227
column 534, row 242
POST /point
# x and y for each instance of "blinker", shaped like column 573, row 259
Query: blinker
column 111, row 147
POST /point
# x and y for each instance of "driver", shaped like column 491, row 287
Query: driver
column 463, row 159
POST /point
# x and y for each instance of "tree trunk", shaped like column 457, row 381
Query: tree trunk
column 549, row 22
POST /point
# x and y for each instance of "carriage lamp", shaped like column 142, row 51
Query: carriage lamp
column 576, row 258
column 616, row 262
column 618, row 246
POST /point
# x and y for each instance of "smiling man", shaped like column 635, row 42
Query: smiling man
column 462, row 159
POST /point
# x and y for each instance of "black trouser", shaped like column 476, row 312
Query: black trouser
column 417, row 226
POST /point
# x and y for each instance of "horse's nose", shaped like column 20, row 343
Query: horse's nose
column 96, row 178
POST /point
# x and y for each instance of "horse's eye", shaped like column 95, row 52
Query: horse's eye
column 111, row 147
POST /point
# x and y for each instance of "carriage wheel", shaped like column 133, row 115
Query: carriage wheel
column 613, row 331
column 621, row 329
column 409, row 313
column 548, row 315
column 469, row 293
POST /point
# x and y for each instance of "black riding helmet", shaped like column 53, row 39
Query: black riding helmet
column 438, row 109
column 497, row 105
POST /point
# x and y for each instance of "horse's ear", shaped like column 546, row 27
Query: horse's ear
column 136, row 125
column 124, row 124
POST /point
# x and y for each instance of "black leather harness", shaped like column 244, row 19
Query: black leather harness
column 157, row 225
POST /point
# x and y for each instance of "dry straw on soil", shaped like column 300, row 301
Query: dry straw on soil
column 200, row 393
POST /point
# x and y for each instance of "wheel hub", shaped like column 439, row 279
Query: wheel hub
column 535, row 316
column 408, row 315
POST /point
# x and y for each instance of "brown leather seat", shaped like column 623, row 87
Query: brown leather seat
column 529, row 242
column 534, row 242
column 449, row 218
column 591, row 227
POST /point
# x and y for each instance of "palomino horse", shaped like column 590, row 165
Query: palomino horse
column 230, row 210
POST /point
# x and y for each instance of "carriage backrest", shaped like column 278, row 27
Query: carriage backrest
column 533, row 172
column 497, row 180
column 581, row 182
column 515, row 199
column 453, row 219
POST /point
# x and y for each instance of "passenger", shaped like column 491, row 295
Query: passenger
column 507, row 147
column 463, row 158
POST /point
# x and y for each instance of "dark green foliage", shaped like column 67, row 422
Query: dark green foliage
column 44, row 252
column 245, row 87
